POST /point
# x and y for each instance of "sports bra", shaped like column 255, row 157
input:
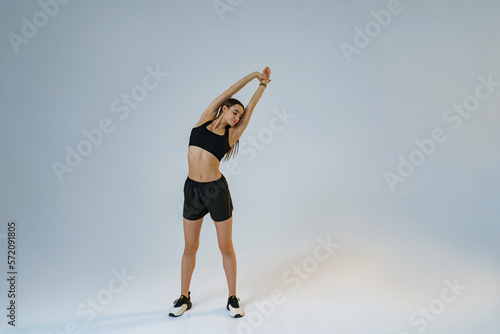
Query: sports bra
column 216, row 144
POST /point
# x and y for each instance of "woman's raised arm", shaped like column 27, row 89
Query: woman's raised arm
column 264, row 79
column 231, row 91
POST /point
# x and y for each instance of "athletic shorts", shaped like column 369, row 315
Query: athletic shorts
column 201, row 198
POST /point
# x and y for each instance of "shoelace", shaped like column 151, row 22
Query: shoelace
column 235, row 300
column 175, row 301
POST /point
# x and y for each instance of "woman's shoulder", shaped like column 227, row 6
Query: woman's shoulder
column 203, row 121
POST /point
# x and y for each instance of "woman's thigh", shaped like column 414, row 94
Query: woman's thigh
column 224, row 234
column 192, row 230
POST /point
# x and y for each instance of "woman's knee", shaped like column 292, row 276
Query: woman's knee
column 191, row 248
column 226, row 249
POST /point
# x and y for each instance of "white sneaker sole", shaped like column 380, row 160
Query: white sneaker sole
column 178, row 311
column 236, row 312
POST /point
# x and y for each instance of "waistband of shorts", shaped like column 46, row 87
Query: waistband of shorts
column 219, row 180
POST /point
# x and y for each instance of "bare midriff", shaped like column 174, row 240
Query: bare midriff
column 203, row 165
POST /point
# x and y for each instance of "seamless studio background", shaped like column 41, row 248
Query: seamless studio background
column 365, row 189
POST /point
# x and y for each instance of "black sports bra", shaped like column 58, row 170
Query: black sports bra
column 216, row 144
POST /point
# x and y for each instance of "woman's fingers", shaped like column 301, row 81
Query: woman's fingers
column 266, row 73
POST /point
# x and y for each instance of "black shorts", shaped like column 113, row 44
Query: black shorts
column 203, row 197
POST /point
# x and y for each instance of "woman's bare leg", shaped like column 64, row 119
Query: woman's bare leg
column 224, row 237
column 192, row 230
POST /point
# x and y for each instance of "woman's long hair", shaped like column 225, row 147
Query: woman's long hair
column 229, row 103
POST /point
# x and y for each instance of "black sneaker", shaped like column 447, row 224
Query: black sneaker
column 234, row 308
column 181, row 305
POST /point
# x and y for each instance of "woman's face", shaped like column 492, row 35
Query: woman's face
column 233, row 114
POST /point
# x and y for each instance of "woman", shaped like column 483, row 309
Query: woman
column 206, row 190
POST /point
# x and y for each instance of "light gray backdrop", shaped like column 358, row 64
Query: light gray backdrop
column 365, row 189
